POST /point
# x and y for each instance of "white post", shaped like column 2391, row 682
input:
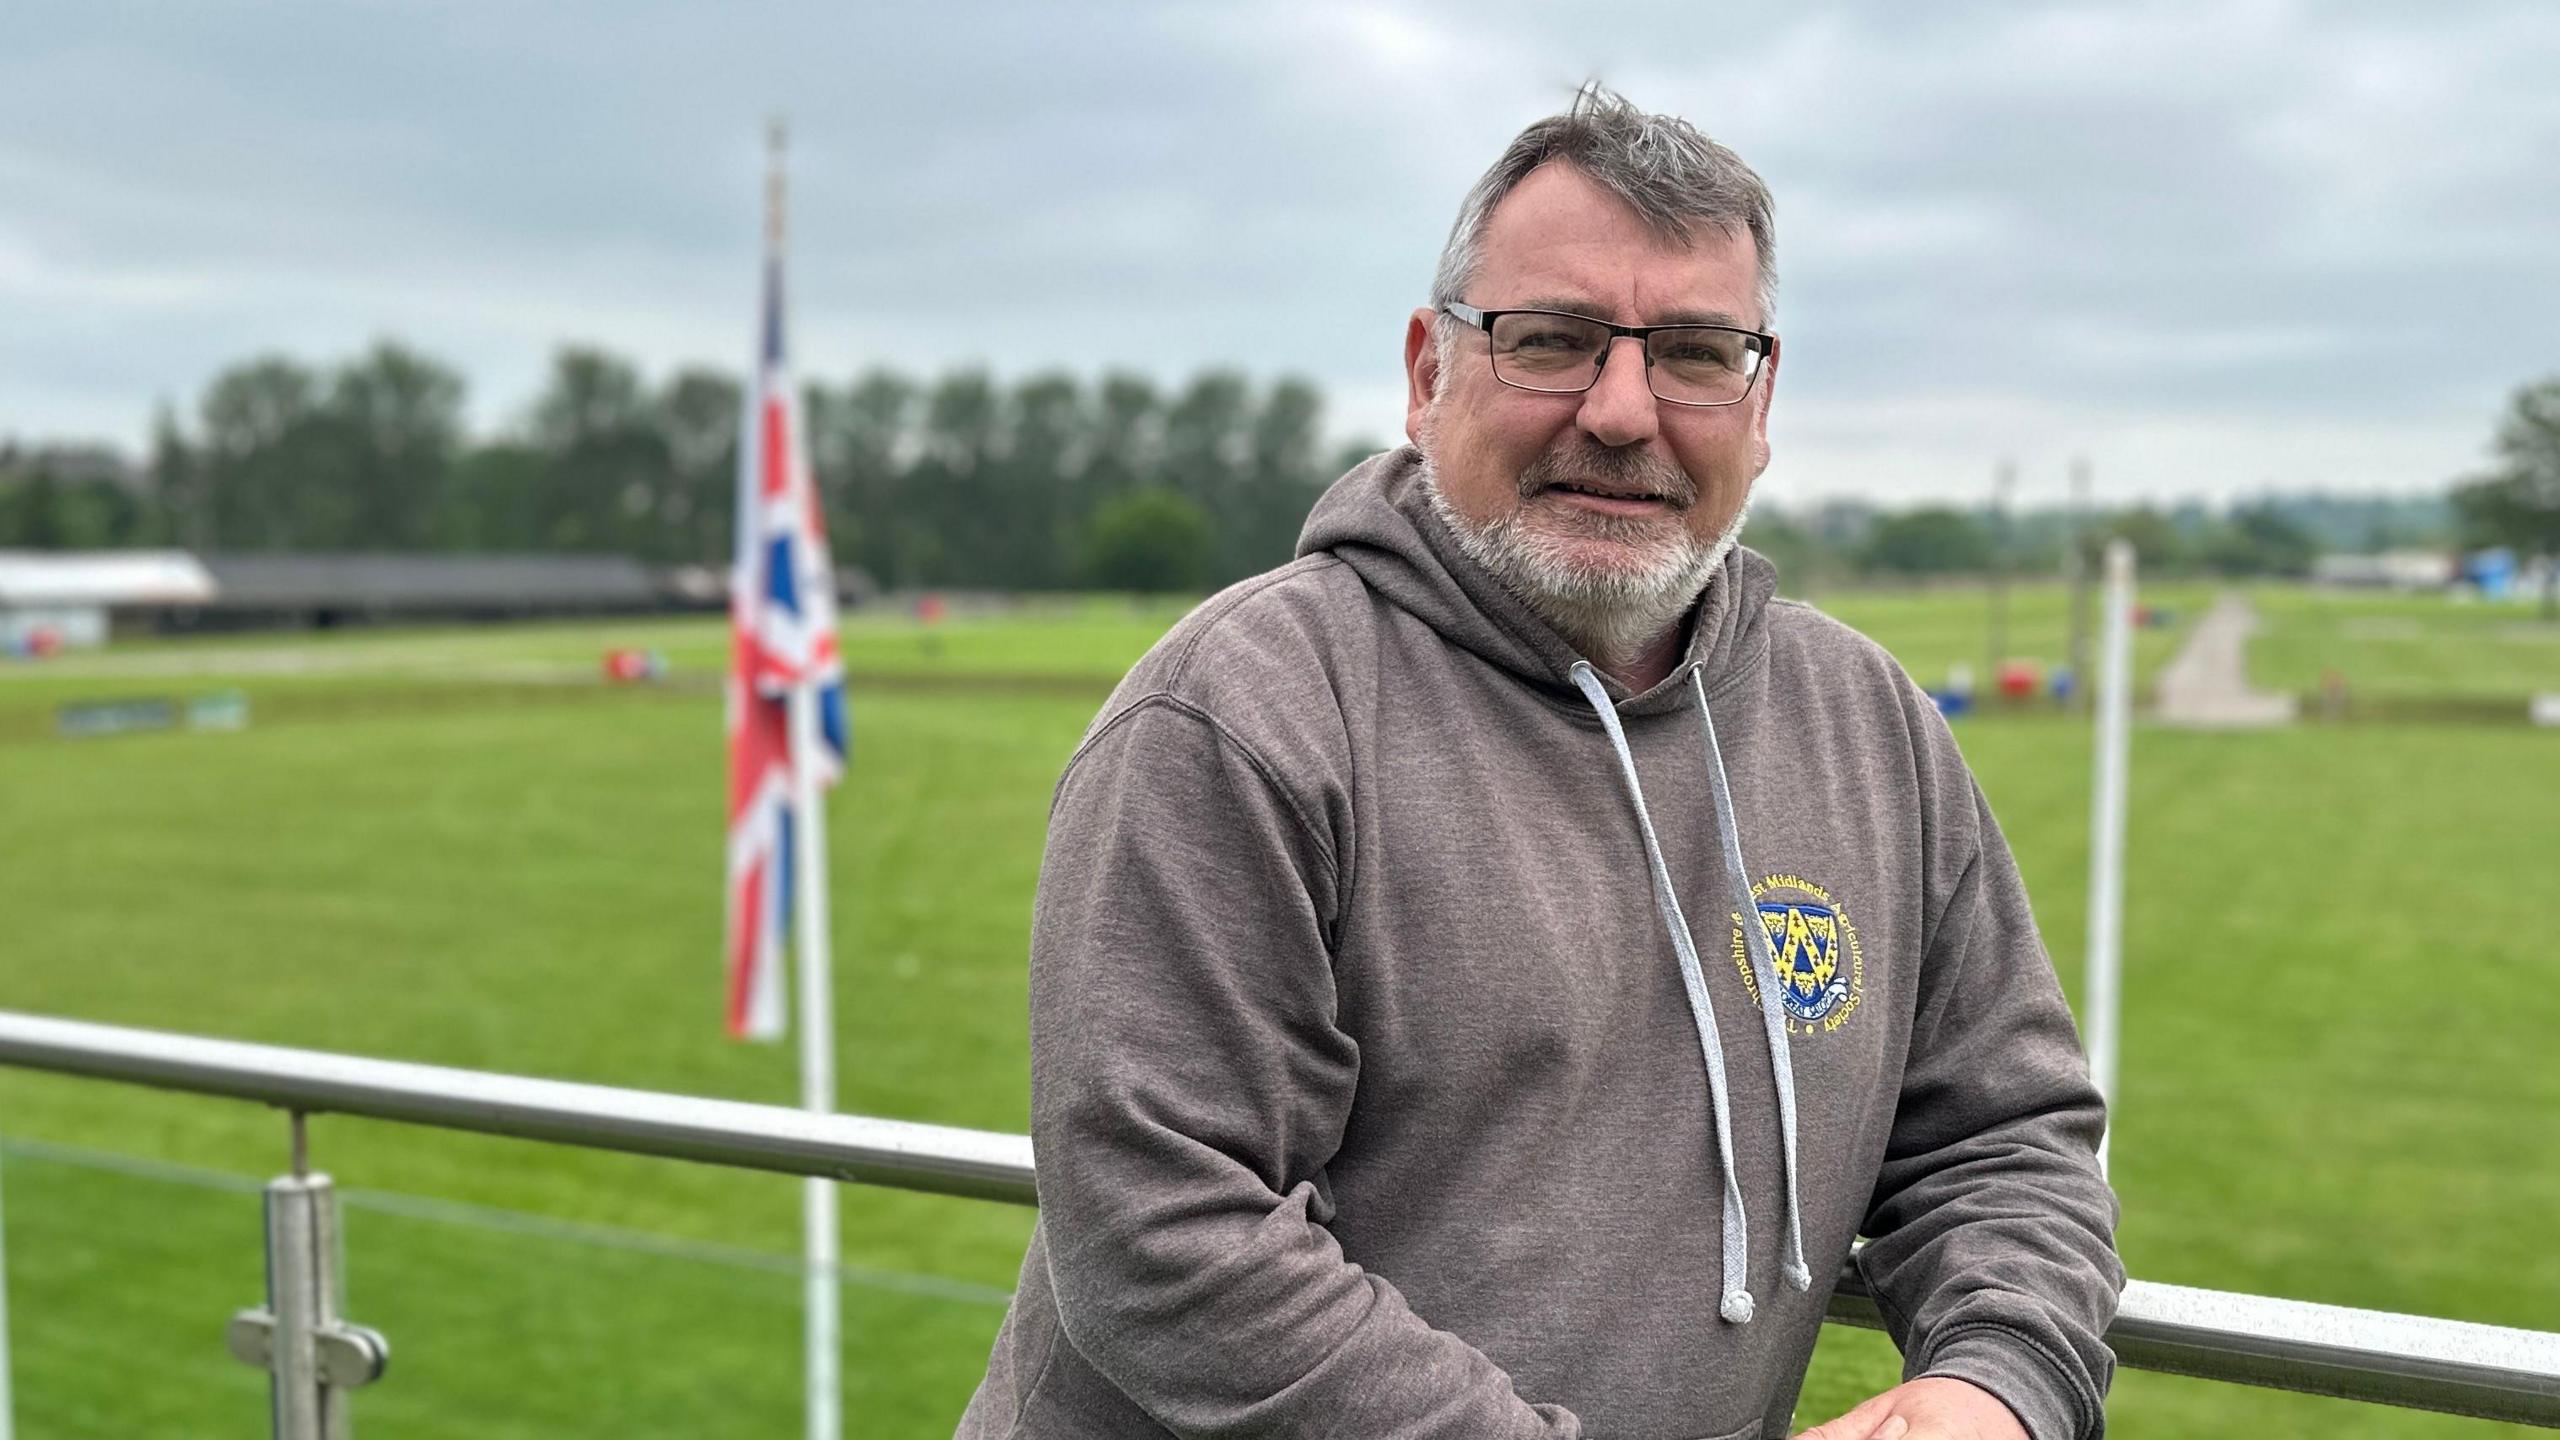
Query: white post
column 2106, row 832
column 817, row 1063
column 7, row 1409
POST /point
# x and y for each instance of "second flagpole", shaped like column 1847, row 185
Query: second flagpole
column 817, row 1063
column 822, row 1295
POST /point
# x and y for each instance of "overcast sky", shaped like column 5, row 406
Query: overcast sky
column 2215, row 247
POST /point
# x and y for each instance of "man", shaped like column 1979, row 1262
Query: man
column 1487, row 972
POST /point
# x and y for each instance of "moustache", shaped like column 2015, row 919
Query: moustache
column 1627, row 472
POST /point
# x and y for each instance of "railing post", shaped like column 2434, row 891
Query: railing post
column 313, row 1359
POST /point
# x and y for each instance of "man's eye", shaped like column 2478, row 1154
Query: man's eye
column 1553, row 340
column 1721, row 354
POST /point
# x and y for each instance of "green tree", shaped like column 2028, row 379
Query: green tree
column 606, row 469
column 1205, row 458
column 494, row 498
column 960, row 481
column 860, row 440
column 396, row 420
column 26, row 508
column 1932, row 540
column 92, row 513
column 1804, row 563
column 950, row 511
column 1148, row 540
column 1284, row 474
column 66, row 497
column 269, row 458
column 1045, row 441
column 696, row 510
column 2157, row 545
column 2518, row 503
column 1128, row 441
column 2260, row 540
column 173, row 478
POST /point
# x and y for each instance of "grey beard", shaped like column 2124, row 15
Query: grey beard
column 1608, row 614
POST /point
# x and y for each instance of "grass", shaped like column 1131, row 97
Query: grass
column 2333, row 1078
column 2315, row 1102
column 2403, row 647
column 1930, row 631
column 1086, row 634
column 527, row 888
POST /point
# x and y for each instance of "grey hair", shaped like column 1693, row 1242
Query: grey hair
column 1672, row 176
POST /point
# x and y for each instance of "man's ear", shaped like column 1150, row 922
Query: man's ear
column 1760, row 401
column 1421, row 372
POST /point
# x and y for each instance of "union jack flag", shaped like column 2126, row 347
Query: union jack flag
column 782, row 633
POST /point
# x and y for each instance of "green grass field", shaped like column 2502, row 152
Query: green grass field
column 455, row 846
column 2403, row 647
column 1931, row 630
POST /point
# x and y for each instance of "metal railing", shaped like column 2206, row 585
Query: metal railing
column 2488, row 1371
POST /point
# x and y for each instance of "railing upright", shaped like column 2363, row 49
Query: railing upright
column 314, row 1359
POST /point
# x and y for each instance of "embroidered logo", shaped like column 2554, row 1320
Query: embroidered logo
column 1821, row 970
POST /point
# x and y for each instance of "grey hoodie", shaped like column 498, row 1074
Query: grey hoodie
column 1374, row 1097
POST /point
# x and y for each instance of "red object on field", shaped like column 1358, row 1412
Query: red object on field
column 627, row 666
column 2019, row 679
column 929, row 609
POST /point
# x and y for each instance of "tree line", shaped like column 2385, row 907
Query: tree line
column 960, row 481
column 2261, row 537
column 965, row 481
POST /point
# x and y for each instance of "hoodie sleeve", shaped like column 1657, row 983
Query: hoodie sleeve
column 1189, row 1084
column 1992, row 1251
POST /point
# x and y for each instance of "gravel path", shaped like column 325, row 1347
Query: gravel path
column 2207, row 686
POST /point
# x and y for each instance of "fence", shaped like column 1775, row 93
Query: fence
column 315, row 1356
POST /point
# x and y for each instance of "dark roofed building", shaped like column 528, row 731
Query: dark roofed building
column 328, row 589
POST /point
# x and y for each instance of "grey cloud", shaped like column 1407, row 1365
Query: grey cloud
column 2044, row 221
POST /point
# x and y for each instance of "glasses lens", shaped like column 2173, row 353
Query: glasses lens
column 1704, row 366
column 1547, row 352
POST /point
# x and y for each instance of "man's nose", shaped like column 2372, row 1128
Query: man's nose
column 1619, row 407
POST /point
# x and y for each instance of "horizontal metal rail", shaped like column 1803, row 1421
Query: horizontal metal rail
column 2461, row 1368
column 895, row 1153
column 2418, row 1362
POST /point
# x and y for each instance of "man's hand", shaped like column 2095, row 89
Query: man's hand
column 1936, row 1408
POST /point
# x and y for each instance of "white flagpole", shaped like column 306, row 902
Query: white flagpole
column 817, row 1060
column 823, row 1296
column 7, row 1408
column 2106, row 833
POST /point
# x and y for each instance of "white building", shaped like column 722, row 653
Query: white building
column 2390, row 570
column 67, row 598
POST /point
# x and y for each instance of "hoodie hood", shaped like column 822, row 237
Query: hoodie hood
column 1379, row 520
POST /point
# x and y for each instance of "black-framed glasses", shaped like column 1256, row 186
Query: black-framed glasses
column 1561, row 354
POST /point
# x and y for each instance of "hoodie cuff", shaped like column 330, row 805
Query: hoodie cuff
column 2017, row 1372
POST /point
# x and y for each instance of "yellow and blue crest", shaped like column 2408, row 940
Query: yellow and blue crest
column 1820, row 970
